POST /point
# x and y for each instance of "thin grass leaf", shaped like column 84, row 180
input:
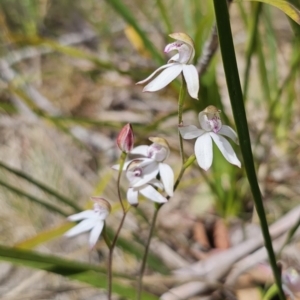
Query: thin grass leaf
column 238, row 108
column 33, row 199
column 127, row 15
column 287, row 7
column 42, row 186
column 38, row 41
column 44, row 236
column 90, row 274
column 164, row 15
column 251, row 46
column 130, row 247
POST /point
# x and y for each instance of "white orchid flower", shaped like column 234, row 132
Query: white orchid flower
column 92, row 220
column 211, row 129
column 291, row 282
column 151, row 164
column 181, row 62
column 136, row 173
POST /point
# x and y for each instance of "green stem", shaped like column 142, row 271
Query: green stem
column 188, row 162
column 113, row 243
column 110, row 256
column 180, row 112
column 122, row 162
column 143, row 266
column 237, row 104
column 251, row 45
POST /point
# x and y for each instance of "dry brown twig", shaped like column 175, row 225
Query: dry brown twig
column 218, row 265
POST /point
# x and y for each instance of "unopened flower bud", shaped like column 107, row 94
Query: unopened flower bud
column 125, row 138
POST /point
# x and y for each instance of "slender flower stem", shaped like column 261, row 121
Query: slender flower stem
column 114, row 242
column 144, row 261
column 238, row 108
column 110, row 256
column 188, row 162
column 122, row 161
column 180, row 111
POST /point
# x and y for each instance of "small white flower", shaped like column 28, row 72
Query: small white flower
column 291, row 282
column 136, row 173
column 92, row 220
column 181, row 62
column 211, row 129
column 150, row 163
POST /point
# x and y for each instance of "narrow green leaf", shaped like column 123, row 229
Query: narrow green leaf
column 128, row 16
column 91, row 274
column 288, row 8
column 239, row 113
column 44, row 236
column 41, row 186
column 128, row 246
column 33, row 198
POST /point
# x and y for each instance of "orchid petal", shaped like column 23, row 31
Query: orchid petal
column 132, row 196
column 149, row 172
column 191, row 77
column 151, row 193
column 140, row 150
column 174, row 58
column 226, row 149
column 83, row 226
column 229, row 132
column 126, row 164
column 156, row 183
column 87, row 214
column 167, row 177
column 155, row 72
column 164, row 78
column 204, row 151
column 95, row 233
column 190, row 132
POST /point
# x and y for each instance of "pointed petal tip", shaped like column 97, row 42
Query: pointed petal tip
column 205, row 168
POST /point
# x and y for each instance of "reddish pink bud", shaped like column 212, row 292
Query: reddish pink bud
column 125, row 138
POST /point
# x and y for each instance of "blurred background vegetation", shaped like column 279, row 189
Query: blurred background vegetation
column 67, row 86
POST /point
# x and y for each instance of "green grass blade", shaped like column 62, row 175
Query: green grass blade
column 127, row 15
column 286, row 6
column 33, row 198
column 239, row 113
column 40, row 185
column 164, row 16
column 251, row 46
column 91, row 274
